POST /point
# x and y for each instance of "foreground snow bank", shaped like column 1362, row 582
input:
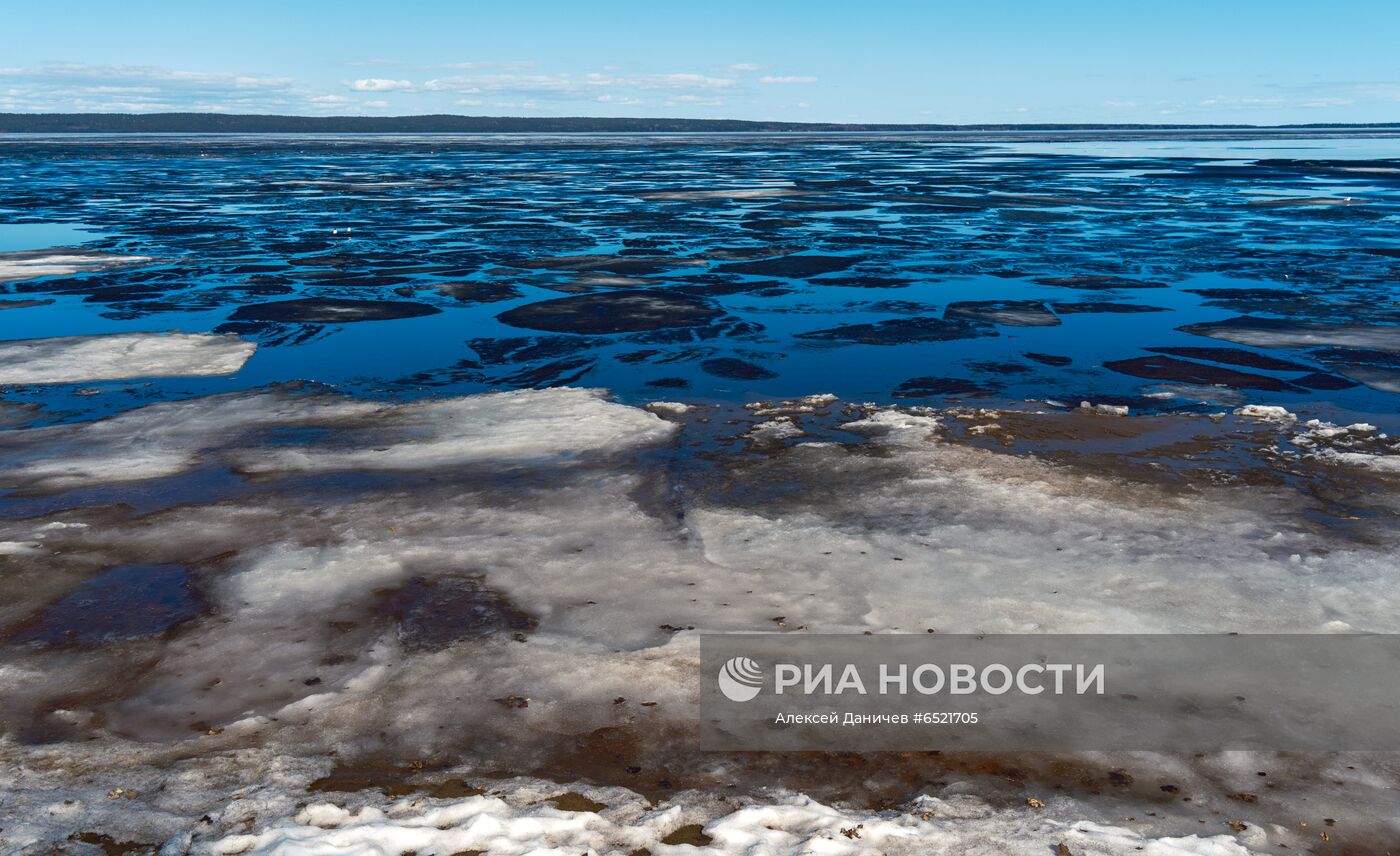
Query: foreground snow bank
column 521, row 819
column 73, row 359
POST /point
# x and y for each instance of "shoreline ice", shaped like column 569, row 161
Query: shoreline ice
column 471, row 584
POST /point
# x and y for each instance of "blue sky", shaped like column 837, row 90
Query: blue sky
column 973, row 61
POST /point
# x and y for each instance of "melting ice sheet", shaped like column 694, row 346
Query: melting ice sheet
column 915, row 268
column 73, row 359
column 486, row 608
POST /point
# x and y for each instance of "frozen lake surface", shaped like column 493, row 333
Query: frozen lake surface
column 1167, row 274
column 369, row 494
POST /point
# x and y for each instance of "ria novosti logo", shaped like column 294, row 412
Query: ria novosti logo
column 740, row 679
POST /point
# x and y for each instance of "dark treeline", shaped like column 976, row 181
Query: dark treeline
column 193, row 123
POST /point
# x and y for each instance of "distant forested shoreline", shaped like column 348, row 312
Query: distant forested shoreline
column 224, row 123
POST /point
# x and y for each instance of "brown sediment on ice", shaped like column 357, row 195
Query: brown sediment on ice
column 424, row 598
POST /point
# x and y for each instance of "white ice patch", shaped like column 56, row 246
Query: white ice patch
column 1304, row 334
column 1267, row 413
column 1104, row 409
column 792, row 406
column 670, row 408
column 513, row 821
column 73, row 359
column 1358, row 445
column 15, row 267
column 169, row 438
column 898, row 427
column 496, row 427
column 774, row 430
column 159, row 440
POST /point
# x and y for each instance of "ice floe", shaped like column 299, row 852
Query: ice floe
column 33, row 264
column 73, row 359
column 169, row 438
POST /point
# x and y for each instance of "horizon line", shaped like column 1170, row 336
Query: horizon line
column 112, row 119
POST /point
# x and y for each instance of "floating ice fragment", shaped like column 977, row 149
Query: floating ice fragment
column 669, row 408
column 1266, row 413
column 33, row 264
column 73, row 359
column 1104, row 409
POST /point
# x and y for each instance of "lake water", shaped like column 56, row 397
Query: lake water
column 1163, row 274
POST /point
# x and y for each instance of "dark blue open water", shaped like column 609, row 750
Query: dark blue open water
column 891, row 268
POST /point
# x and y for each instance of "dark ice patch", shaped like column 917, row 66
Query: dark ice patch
column 859, row 281
column 1235, row 357
column 620, row 265
column 1357, row 356
column 997, row 367
column 1324, row 382
column 736, row 369
column 23, row 304
column 331, row 310
column 478, row 292
column 522, row 349
column 1011, row 313
column 1098, row 283
column 1048, row 359
column 433, row 614
column 669, row 383
column 1242, row 293
column 557, row 373
column 1379, row 370
column 613, row 312
column 1104, row 307
column 920, row 387
column 1183, row 371
column 795, row 266
column 125, row 602
column 898, row 331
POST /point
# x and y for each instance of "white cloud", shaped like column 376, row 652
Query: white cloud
column 685, row 81
column 787, row 78
column 502, row 65
column 380, row 84
column 82, row 87
column 565, row 86
column 743, row 67
column 694, row 101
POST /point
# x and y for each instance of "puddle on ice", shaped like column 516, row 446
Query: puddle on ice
column 126, row 602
